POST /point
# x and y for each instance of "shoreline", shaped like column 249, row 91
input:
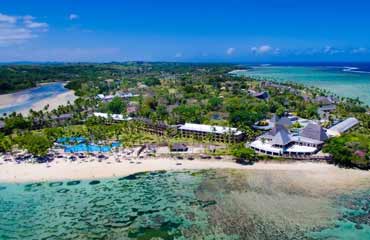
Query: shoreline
column 16, row 98
column 53, row 102
column 62, row 170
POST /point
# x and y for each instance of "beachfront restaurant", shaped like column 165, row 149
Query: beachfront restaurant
column 212, row 133
column 280, row 142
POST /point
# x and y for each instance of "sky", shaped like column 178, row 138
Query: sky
column 184, row 31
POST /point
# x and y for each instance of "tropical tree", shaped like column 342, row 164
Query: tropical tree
column 116, row 106
column 5, row 143
column 241, row 152
column 35, row 143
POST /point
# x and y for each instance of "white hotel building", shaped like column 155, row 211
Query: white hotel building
column 213, row 133
column 280, row 142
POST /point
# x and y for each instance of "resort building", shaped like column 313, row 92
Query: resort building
column 280, row 87
column 105, row 98
column 342, row 127
column 132, row 110
column 2, row 124
column 280, row 142
column 212, row 133
column 324, row 111
column 63, row 117
column 287, row 122
column 126, row 95
column 108, row 98
column 284, row 121
column 260, row 95
column 324, row 100
column 114, row 117
column 158, row 128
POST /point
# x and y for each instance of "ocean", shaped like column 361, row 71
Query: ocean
column 212, row 204
column 343, row 79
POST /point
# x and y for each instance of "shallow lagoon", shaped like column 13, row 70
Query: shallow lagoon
column 217, row 204
column 339, row 80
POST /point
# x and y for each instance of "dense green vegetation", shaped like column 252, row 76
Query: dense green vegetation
column 243, row 153
column 173, row 93
column 351, row 150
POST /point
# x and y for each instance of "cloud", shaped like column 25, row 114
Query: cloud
column 328, row 50
column 19, row 29
column 265, row 49
column 30, row 22
column 7, row 19
column 61, row 54
column 230, row 51
column 359, row 50
column 178, row 55
column 332, row 50
column 15, row 35
column 73, row 16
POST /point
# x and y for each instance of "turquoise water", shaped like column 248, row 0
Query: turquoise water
column 335, row 79
column 65, row 140
column 137, row 207
column 178, row 205
column 33, row 96
column 86, row 148
column 79, row 144
column 353, row 221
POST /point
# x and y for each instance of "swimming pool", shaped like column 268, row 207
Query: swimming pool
column 79, row 144
column 65, row 140
column 86, row 148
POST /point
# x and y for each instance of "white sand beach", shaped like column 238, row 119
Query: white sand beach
column 11, row 99
column 54, row 101
column 20, row 97
column 63, row 169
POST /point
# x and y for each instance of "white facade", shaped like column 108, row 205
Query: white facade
column 115, row 117
column 342, row 127
column 209, row 129
column 266, row 147
column 279, row 142
column 216, row 133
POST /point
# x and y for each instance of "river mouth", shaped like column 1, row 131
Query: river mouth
column 53, row 94
column 220, row 204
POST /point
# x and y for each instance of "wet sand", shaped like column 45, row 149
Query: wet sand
column 267, row 200
column 7, row 100
column 18, row 98
column 54, row 101
column 62, row 169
